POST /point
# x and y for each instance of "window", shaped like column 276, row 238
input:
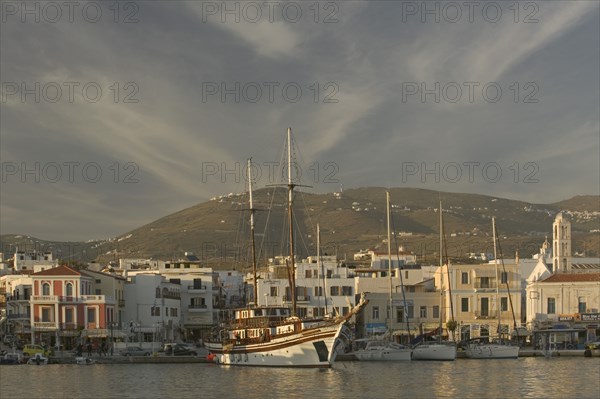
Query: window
column 406, row 274
column 346, row 290
column 335, row 291
column 69, row 289
column 436, row 312
column 485, row 282
column 410, row 311
column 157, row 292
column 301, row 312
column 45, row 289
column 582, row 305
column 423, row 312
column 155, row 311
column 399, row 315
column 375, row 312
column 485, row 307
column 504, row 277
column 273, row 291
column 308, row 273
column 464, row 304
column 46, row 314
column 68, row 315
column 464, row 278
column 345, row 310
column 197, row 284
column 504, row 304
column 91, row 315
column 551, row 305
column 98, row 291
column 318, row 291
column 98, row 281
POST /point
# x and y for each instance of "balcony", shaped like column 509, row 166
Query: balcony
column 484, row 285
column 15, row 316
column 490, row 314
column 45, row 326
column 196, row 289
column 197, row 308
column 299, row 298
column 44, row 298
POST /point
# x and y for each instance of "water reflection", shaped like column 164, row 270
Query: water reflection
column 529, row 377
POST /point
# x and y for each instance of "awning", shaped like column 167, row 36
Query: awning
column 486, row 273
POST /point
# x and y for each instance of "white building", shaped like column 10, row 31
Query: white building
column 152, row 308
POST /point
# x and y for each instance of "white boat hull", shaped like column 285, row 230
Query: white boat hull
column 389, row 352
column 310, row 348
column 492, row 351
column 434, row 351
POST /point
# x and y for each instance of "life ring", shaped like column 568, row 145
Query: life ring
column 211, row 357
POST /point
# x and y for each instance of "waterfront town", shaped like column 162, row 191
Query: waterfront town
column 152, row 302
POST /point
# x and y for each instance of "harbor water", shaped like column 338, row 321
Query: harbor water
column 463, row 378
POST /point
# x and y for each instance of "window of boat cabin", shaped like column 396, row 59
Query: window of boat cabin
column 436, row 312
column 423, row 312
column 464, row 304
column 504, row 304
column 464, row 278
column 375, row 312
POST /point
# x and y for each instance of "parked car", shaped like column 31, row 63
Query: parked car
column 593, row 345
column 134, row 351
column 32, row 350
column 174, row 349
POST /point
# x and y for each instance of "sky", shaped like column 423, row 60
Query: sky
column 116, row 114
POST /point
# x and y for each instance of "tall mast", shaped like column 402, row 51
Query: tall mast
column 389, row 240
column 496, row 266
column 321, row 266
column 290, row 186
column 441, row 269
column 254, row 272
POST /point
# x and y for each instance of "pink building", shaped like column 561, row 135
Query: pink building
column 65, row 309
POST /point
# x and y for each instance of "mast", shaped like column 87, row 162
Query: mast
column 389, row 240
column 496, row 267
column 441, row 269
column 254, row 272
column 321, row 267
column 290, row 186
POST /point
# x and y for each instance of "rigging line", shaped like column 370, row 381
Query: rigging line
column 266, row 225
column 512, row 310
column 447, row 258
column 400, row 274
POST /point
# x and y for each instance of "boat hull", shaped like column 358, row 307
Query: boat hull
column 383, row 354
column 492, row 351
column 434, row 352
column 310, row 348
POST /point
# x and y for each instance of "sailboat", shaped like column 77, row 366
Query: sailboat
column 436, row 350
column 384, row 349
column 481, row 348
column 274, row 335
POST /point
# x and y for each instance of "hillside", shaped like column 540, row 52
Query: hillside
column 218, row 230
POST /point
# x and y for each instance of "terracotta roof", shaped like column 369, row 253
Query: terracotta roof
column 572, row 278
column 58, row 271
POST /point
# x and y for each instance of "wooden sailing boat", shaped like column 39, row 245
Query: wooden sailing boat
column 437, row 350
column 385, row 349
column 274, row 335
column 499, row 348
